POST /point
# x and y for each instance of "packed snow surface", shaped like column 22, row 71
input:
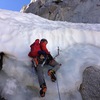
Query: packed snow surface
column 79, row 46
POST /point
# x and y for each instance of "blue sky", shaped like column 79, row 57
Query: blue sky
column 14, row 5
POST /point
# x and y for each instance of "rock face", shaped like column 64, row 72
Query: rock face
column 90, row 87
column 78, row 11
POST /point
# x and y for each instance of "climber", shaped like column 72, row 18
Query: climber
column 41, row 57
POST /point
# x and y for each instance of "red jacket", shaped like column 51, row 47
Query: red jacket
column 43, row 47
column 35, row 47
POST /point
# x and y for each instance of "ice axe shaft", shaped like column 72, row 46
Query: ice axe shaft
column 57, row 53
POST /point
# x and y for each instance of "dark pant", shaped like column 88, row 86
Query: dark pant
column 54, row 65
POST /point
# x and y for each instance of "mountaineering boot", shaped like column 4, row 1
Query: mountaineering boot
column 51, row 73
column 43, row 90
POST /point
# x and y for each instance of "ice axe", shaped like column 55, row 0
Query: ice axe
column 57, row 52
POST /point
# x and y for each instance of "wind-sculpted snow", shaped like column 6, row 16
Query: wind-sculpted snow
column 79, row 48
column 19, row 30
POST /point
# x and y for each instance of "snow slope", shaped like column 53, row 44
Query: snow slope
column 79, row 48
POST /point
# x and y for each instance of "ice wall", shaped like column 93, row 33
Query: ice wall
column 79, row 48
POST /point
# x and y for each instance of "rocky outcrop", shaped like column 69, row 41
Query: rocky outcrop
column 90, row 87
column 1, row 98
column 78, row 11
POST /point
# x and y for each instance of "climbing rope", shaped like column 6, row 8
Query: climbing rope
column 58, row 89
column 56, row 75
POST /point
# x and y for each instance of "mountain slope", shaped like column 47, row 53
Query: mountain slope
column 78, row 11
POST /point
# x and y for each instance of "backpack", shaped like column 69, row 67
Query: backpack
column 35, row 47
